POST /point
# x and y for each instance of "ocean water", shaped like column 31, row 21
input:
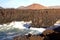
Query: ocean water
column 11, row 33
column 16, row 28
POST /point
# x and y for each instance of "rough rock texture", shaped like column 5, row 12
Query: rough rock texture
column 32, row 37
column 39, row 18
column 47, row 35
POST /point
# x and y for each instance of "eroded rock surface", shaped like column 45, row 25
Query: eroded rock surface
column 46, row 35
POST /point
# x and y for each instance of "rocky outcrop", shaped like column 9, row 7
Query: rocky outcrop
column 39, row 18
column 46, row 35
column 32, row 37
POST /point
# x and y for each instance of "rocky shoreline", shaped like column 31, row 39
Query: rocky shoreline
column 46, row 35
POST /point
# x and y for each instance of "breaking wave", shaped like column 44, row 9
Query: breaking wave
column 15, row 28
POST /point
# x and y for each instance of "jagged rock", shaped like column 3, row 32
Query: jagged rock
column 51, row 35
column 39, row 18
column 46, row 35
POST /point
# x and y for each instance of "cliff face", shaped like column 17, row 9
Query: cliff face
column 43, row 17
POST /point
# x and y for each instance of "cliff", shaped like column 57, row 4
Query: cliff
column 39, row 18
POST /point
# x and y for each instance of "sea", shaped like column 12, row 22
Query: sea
column 16, row 28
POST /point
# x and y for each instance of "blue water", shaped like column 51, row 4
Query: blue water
column 9, row 31
column 10, row 34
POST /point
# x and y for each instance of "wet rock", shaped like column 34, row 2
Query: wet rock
column 46, row 35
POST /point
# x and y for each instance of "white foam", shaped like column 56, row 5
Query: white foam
column 36, row 30
column 20, row 24
column 17, row 24
column 57, row 23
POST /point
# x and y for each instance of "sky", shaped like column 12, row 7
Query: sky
column 17, row 3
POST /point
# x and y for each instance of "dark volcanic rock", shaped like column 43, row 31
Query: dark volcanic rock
column 57, row 29
column 46, row 35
